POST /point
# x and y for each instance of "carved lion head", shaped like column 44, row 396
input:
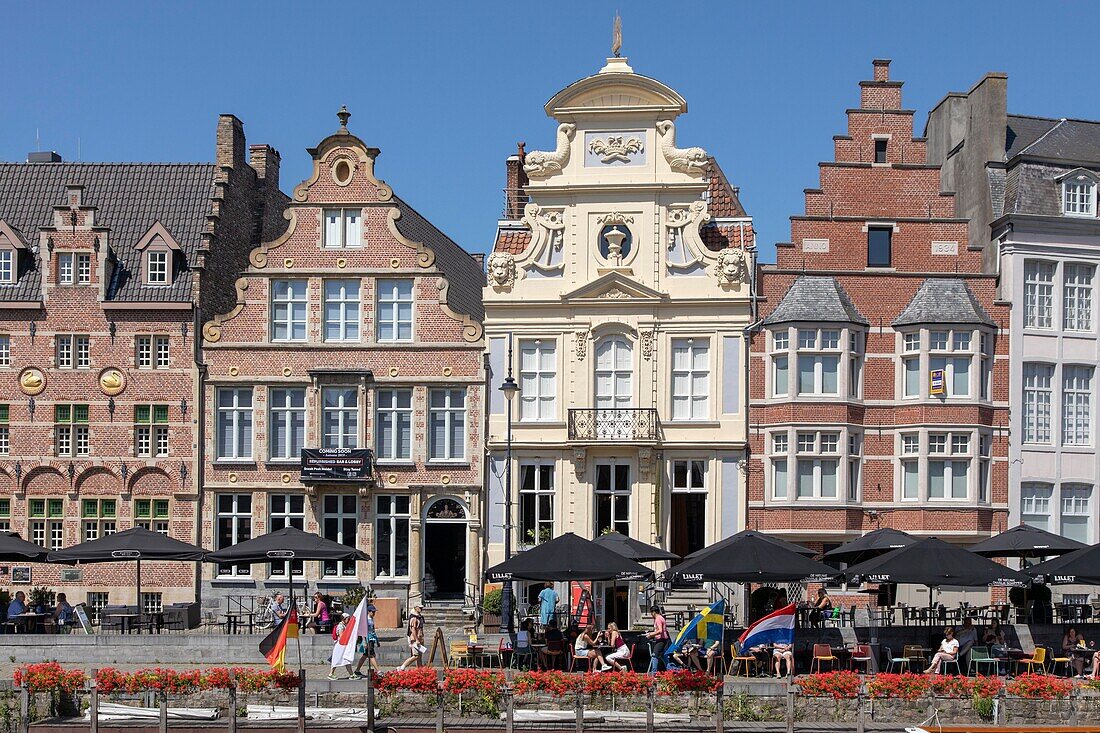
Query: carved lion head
column 502, row 270
column 730, row 266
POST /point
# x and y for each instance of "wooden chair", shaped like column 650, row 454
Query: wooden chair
column 915, row 653
column 555, row 651
column 458, row 653
column 1038, row 659
column 823, row 653
column 744, row 661
column 861, row 655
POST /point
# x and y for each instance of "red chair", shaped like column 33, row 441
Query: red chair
column 823, row 653
column 861, row 655
column 583, row 660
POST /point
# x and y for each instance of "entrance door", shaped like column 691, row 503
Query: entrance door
column 445, row 533
column 614, row 387
column 688, row 519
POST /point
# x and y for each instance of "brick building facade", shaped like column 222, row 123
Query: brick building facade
column 358, row 327
column 100, row 267
column 879, row 371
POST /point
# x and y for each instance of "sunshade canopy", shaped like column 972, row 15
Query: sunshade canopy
column 1026, row 541
column 1080, row 566
column 633, row 549
column 14, row 548
column 131, row 544
column 286, row 544
column 568, row 557
column 935, row 563
column 735, row 538
column 751, row 558
column 870, row 545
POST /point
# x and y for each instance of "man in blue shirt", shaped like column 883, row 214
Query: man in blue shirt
column 548, row 601
column 18, row 605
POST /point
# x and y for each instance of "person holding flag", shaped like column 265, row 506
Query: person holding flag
column 355, row 625
column 273, row 646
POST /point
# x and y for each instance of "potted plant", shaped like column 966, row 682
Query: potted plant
column 490, row 607
column 41, row 599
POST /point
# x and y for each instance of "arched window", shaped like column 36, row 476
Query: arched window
column 614, row 373
column 446, row 509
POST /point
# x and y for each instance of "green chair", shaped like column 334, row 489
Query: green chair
column 902, row 662
column 980, row 655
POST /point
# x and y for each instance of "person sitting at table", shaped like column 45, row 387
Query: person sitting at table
column 587, row 647
column 783, row 653
column 523, row 646
column 552, row 637
column 279, row 610
column 1095, row 665
column 63, row 613
column 821, row 605
column 17, row 607
column 687, row 656
column 995, row 637
column 619, row 648
column 319, row 619
column 968, row 637
column 1070, row 641
column 948, row 651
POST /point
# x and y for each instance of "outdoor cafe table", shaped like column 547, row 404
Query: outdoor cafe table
column 127, row 625
column 233, row 621
column 30, row 621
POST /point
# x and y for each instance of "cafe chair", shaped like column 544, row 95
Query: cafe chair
column 628, row 660
column 980, row 655
column 1038, row 659
column 902, row 662
column 555, row 650
column 1055, row 661
column 459, row 652
column 861, row 655
column 915, row 653
column 524, row 654
column 823, row 653
column 575, row 661
column 744, row 662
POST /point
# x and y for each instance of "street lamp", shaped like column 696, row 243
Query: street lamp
column 509, row 388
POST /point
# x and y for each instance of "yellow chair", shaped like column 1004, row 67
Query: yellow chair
column 1037, row 659
column 460, row 652
column 823, row 653
column 1055, row 661
column 744, row 661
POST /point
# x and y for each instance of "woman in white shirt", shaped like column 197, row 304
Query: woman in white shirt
column 949, row 651
column 587, row 646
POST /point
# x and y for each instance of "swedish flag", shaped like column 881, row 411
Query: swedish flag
column 707, row 627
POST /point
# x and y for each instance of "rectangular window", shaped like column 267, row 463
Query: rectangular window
column 151, row 430
column 855, row 362
column 1035, row 504
column 1077, row 297
column 948, row 477
column 1079, row 197
column 395, row 310
column 391, row 536
column 536, row 503
column 47, row 522
column 394, row 424
column 233, row 526
column 234, row 427
column 286, row 510
column 152, row 514
column 855, row 450
column 151, row 352
column 1036, row 413
column 910, row 466
column 289, row 310
column 1038, row 294
column 5, row 436
column 613, row 491
column 690, row 379
column 780, row 483
column 339, row 417
column 74, row 268
column 73, row 352
column 1076, row 405
column 71, row 430
column 985, row 446
column 339, row 519
column 5, row 350
column 880, row 150
column 538, row 380
column 157, row 267
column 817, row 371
column 818, row 459
column 343, row 228
column 447, row 424
column 5, row 515
column 342, row 310
column 151, row 602
column 97, row 518
column 878, row 246
column 1076, row 512
column 951, row 353
column 7, row 266
column 288, row 423
column 689, row 476
column 986, row 375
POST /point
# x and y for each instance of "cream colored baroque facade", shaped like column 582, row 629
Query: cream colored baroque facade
column 619, row 284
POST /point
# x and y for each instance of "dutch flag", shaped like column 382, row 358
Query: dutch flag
column 775, row 628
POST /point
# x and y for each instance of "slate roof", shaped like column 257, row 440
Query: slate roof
column 815, row 298
column 463, row 273
column 1069, row 140
column 1023, row 131
column 129, row 198
column 943, row 300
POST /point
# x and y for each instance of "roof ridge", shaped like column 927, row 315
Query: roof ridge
column 111, row 163
column 1042, row 137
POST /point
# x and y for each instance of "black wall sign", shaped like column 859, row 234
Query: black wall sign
column 336, row 464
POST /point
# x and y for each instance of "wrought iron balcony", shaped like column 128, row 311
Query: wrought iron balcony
column 626, row 424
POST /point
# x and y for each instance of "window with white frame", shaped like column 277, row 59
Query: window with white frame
column 780, row 452
column 538, row 387
column 151, row 352
column 343, row 228
column 613, row 491
column 287, row 430
column 342, row 310
column 536, row 503
column 5, row 515
column 5, row 435
column 157, row 266
column 1077, row 296
column 855, row 362
column 289, row 310
column 391, row 536
column 7, row 266
column 47, row 522
column 74, row 268
column 1076, row 512
column 910, row 466
column 1038, row 294
column 1076, row 404
column 986, row 375
column 1036, row 412
column 394, row 425
column 97, row 601
column 781, row 344
column 234, row 423
column 855, row 475
column 152, row 514
column 286, row 510
column 340, row 417
column 1035, row 504
column 818, row 461
column 985, row 447
column 689, row 476
column 1079, row 196
column 395, row 310
column 952, row 352
column 98, row 518
column 339, row 520
column 5, row 350
column 690, row 379
column 949, row 456
column 818, row 361
column 447, row 424
column 233, row 525
column 910, row 365
column 71, row 436
column 73, row 351
column 151, row 436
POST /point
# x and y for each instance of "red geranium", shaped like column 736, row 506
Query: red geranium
column 684, row 681
column 1040, row 687
column 464, row 680
column 49, row 676
column 838, row 684
column 553, row 682
column 616, row 683
column 417, row 679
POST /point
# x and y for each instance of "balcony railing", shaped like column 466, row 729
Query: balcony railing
column 629, row 424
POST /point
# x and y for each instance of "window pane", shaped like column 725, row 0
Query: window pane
column 779, row 478
column 780, row 380
column 878, row 246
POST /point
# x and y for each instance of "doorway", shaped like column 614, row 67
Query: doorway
column 445, row 534
column 688, row 531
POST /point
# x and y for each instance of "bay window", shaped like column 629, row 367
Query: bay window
column 818, row 361
column 951, row 352
column 817, row 461
column 911, row 365
column 949, row 458
column 910, row 466
column 781, row 344
column 780, row 482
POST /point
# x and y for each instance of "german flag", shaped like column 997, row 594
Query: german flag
column 273, row 647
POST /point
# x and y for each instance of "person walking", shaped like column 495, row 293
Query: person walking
column 415, row 635
column 548, row 602
column 367, row 644
column 658, row 640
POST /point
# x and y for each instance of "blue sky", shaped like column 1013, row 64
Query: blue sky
column 446, row 89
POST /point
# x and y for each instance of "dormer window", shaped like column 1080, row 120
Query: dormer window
column 74, row 269
column 1079, row 196
column 156, row 267
column 7, row 266
column 158, row 251
column 10, row 244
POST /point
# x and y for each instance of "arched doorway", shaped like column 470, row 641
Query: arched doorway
column 445, row 551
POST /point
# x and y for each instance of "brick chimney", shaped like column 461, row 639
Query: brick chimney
column 515, row 179
column 882, row 69
column 230, row 144
column 880, row 93
column 265, row 160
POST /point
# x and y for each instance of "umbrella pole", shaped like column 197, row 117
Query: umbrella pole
column 301, row 668
column 139, row 606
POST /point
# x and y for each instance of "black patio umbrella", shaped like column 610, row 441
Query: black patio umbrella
column 1077, row 567
column 14, row 548
column 735, row 538
column 1026, row 542
column 748, row 557
column 134, row 544
column 934, row 563
column 286, row 544
column 633, row 549
column 568, row 557
column 870, row 545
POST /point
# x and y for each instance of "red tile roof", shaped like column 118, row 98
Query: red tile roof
column 512, row 241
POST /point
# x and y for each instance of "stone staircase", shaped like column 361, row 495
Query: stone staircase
column 451, row 617
column 681, row 604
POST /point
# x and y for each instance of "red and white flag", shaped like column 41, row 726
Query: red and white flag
column 344, row 650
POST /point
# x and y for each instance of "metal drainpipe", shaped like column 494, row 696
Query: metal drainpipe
column 486, row 470
column 746, row 332
column 199, row 419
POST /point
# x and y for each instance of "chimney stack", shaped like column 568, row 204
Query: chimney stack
column 265, row 160
column 44, row 157
column 882, row 69
column 230, row 150
column 515, row 179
